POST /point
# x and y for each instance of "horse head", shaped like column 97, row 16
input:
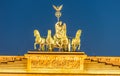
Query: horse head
column 78, row 33
column 49, row 33
column 36, row 33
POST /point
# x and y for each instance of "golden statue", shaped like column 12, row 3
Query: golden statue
column 59, row 29
column 39, row 40
column 58, row 9
column 60, row 39
column 49, row 41
column 76, row 41
column 64, row 40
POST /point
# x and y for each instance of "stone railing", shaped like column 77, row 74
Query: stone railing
column 10, row 58
column 107, row 60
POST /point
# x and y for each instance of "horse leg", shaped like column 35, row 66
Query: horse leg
column 39, row 47
column 65, row 48
column 69, row 46
column 43, row 47
column 60, row 49
column 50, row 47
column 34, row 45
column 79, row 47
column 47, row 47
column 73, row 48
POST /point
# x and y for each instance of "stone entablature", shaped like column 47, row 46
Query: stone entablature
column 108, row 59
column 60, row 61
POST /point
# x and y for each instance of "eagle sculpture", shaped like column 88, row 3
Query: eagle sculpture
column 57, row 8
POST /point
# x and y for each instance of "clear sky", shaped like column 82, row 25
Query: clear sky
column 99, row 21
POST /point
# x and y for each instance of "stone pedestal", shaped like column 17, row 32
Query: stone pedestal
column 55, row 62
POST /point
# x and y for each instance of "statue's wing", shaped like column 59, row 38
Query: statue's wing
column 60, row 7
column 55, row 7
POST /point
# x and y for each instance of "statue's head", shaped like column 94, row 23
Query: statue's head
column 59, row 23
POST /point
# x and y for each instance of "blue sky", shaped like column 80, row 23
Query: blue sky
column 99, row 21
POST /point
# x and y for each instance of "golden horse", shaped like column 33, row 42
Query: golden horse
column 49, row 41
column 76, row 41
column 64, row 40
column 39, row 40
